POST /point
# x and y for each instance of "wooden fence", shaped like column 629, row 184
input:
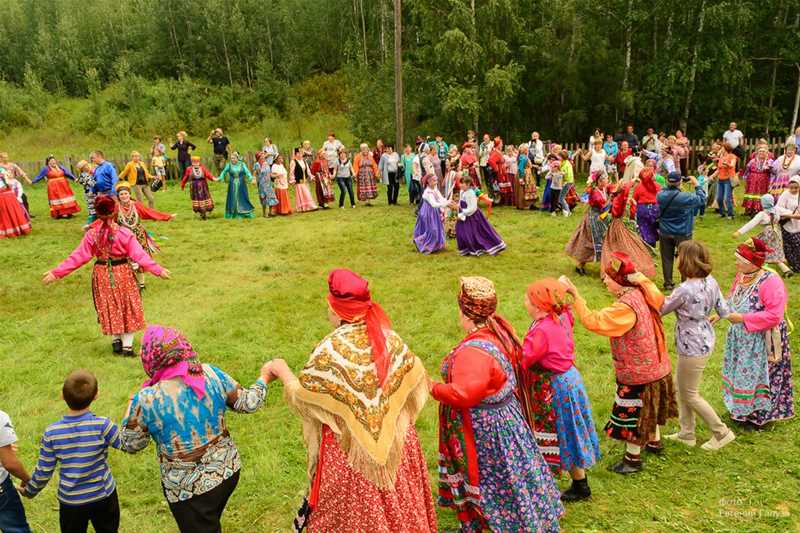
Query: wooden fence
column 581, row 167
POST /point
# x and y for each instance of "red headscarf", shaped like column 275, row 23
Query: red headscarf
column 350, row 299
column 646, row 178
column 754, row 251
column 626, row 268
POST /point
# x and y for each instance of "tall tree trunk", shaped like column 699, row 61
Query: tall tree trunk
column 475, row 117
column 398, row 74
column 628, row 44
column 796, row 99
column 771, row 95
column 668, row 38
column 655, row 34
column 227, row 57
column 363, row 29
column 693, row 69
column 382, row 14
column 269, row 43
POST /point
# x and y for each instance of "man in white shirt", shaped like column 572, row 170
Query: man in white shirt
column 331, row 148
column 650, row 141
column 734, row 139
column 12, row 513
column 536, row 148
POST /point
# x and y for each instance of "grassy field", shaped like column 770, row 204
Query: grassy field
column 245, row 291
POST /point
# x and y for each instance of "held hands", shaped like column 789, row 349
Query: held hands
column 22, row 491
column 48, row 278
column 735, row 318
column 571, row 288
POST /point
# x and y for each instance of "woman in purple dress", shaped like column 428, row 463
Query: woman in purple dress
column 429, row 230
column 474, row 234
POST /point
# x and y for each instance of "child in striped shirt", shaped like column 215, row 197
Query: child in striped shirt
column 80, row 442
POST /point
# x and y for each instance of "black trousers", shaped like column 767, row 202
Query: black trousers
column 393, row 188
column 182, row 166
column 202, row 514
column 668, row 246
column 103, row 514
column 345, row 184
column 414, row 192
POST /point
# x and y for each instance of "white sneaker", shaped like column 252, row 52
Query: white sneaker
column 553, row 214
column 715, row 444
column 677, row 437
column 566, row 214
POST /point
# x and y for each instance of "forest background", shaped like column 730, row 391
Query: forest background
column 107, row 72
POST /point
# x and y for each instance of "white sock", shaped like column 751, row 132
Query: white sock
column 633, row 449
column 115, row 337
column 127, row 340
column 658, row 433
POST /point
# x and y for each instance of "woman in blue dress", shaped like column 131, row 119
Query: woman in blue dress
column 266, row 194
column 238, row 203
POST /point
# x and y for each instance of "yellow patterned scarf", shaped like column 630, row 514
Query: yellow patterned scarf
column 338, row 387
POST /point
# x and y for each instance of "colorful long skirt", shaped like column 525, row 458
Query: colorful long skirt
column 756, row 186
column 773, row 239
column 14, row 220
column 266, row 193
column 302, row 199
column 118, row 304
column 791, row 248
column 476, row 236
column 565, row 431
column 647, row 222
column 366, row 185
column 323, row 187
column 778, row 182
column 517, row 490
column 639, row 409
column 505, row 183
column 429, row 230
column 201, row 196
column 349, row 502
column 754, row 389
column 284, row 205
column 586, row 243
column 237, row 204
column 61, row 199
column 619, row 238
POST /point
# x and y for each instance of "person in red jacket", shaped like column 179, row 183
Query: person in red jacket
column 646, row 204
column 496, row 164
column 645, row 396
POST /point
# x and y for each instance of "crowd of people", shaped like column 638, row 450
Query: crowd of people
column 513, row 411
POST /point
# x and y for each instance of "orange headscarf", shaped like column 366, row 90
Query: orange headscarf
column 549, row 295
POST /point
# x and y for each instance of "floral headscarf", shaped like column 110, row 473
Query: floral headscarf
column 167, row 354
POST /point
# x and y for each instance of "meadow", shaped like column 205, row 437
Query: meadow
column 246, row 291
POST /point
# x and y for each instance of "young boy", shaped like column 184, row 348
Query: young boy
column 80, row 442
column 158, row 163
column 12, row 513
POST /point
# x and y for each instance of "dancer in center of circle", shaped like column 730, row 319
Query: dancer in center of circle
column 59, row 193
column 198, row 177
column 429, row 234
column 620, row 238
column 237, row 204
column 586, row 243
column 117, row 299
column 474, row 234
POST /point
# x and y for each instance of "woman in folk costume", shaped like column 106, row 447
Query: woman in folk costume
column 323, row 184
column 86, row 180
column 116, row 296
column 784, row 169
column 299, row 175
column 645, row 397
column 768, row 219
column 358, row 397
column 474, row 234
column 586, row 243
column 490, row 469
column 789, row 203
column 198, row 177
column 429, row 234
column 14, row 219
column 757, row 369
column 266, row 192
column 181, row 407
column 237, row 203
column 366, row 170
column 130, row 215
column 620, row 238
column 646, row 204
column 756, row 179
column 561, row 411
column 59, row 193
column 525, row 184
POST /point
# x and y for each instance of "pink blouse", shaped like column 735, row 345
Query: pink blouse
column 124, row 245
column 550, row 343
column 773, row 296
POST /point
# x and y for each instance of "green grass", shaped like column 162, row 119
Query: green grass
column 245, row 291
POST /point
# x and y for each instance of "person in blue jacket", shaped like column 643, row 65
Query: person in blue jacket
column 676, row 221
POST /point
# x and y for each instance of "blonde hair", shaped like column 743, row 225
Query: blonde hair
column 181, row 133
column 82, row 164
column 135, row 153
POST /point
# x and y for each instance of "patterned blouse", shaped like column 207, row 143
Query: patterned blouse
column 193, row 444
column 693, row 302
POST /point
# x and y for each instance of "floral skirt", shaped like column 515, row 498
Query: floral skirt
column 791, row 249
column 586, row 243
column 517, row 490
column 350, row 502
column 119, row 308
column 577, row 438
column 773, row 239
column 638, row 409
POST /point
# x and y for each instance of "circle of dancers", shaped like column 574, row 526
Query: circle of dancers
column 513, row 411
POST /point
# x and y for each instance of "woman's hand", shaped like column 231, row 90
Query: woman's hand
column 735, row 318
column 637, row 278
column 48, row 278
column 165, row 274
column 736, row 234
column 571, row 288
